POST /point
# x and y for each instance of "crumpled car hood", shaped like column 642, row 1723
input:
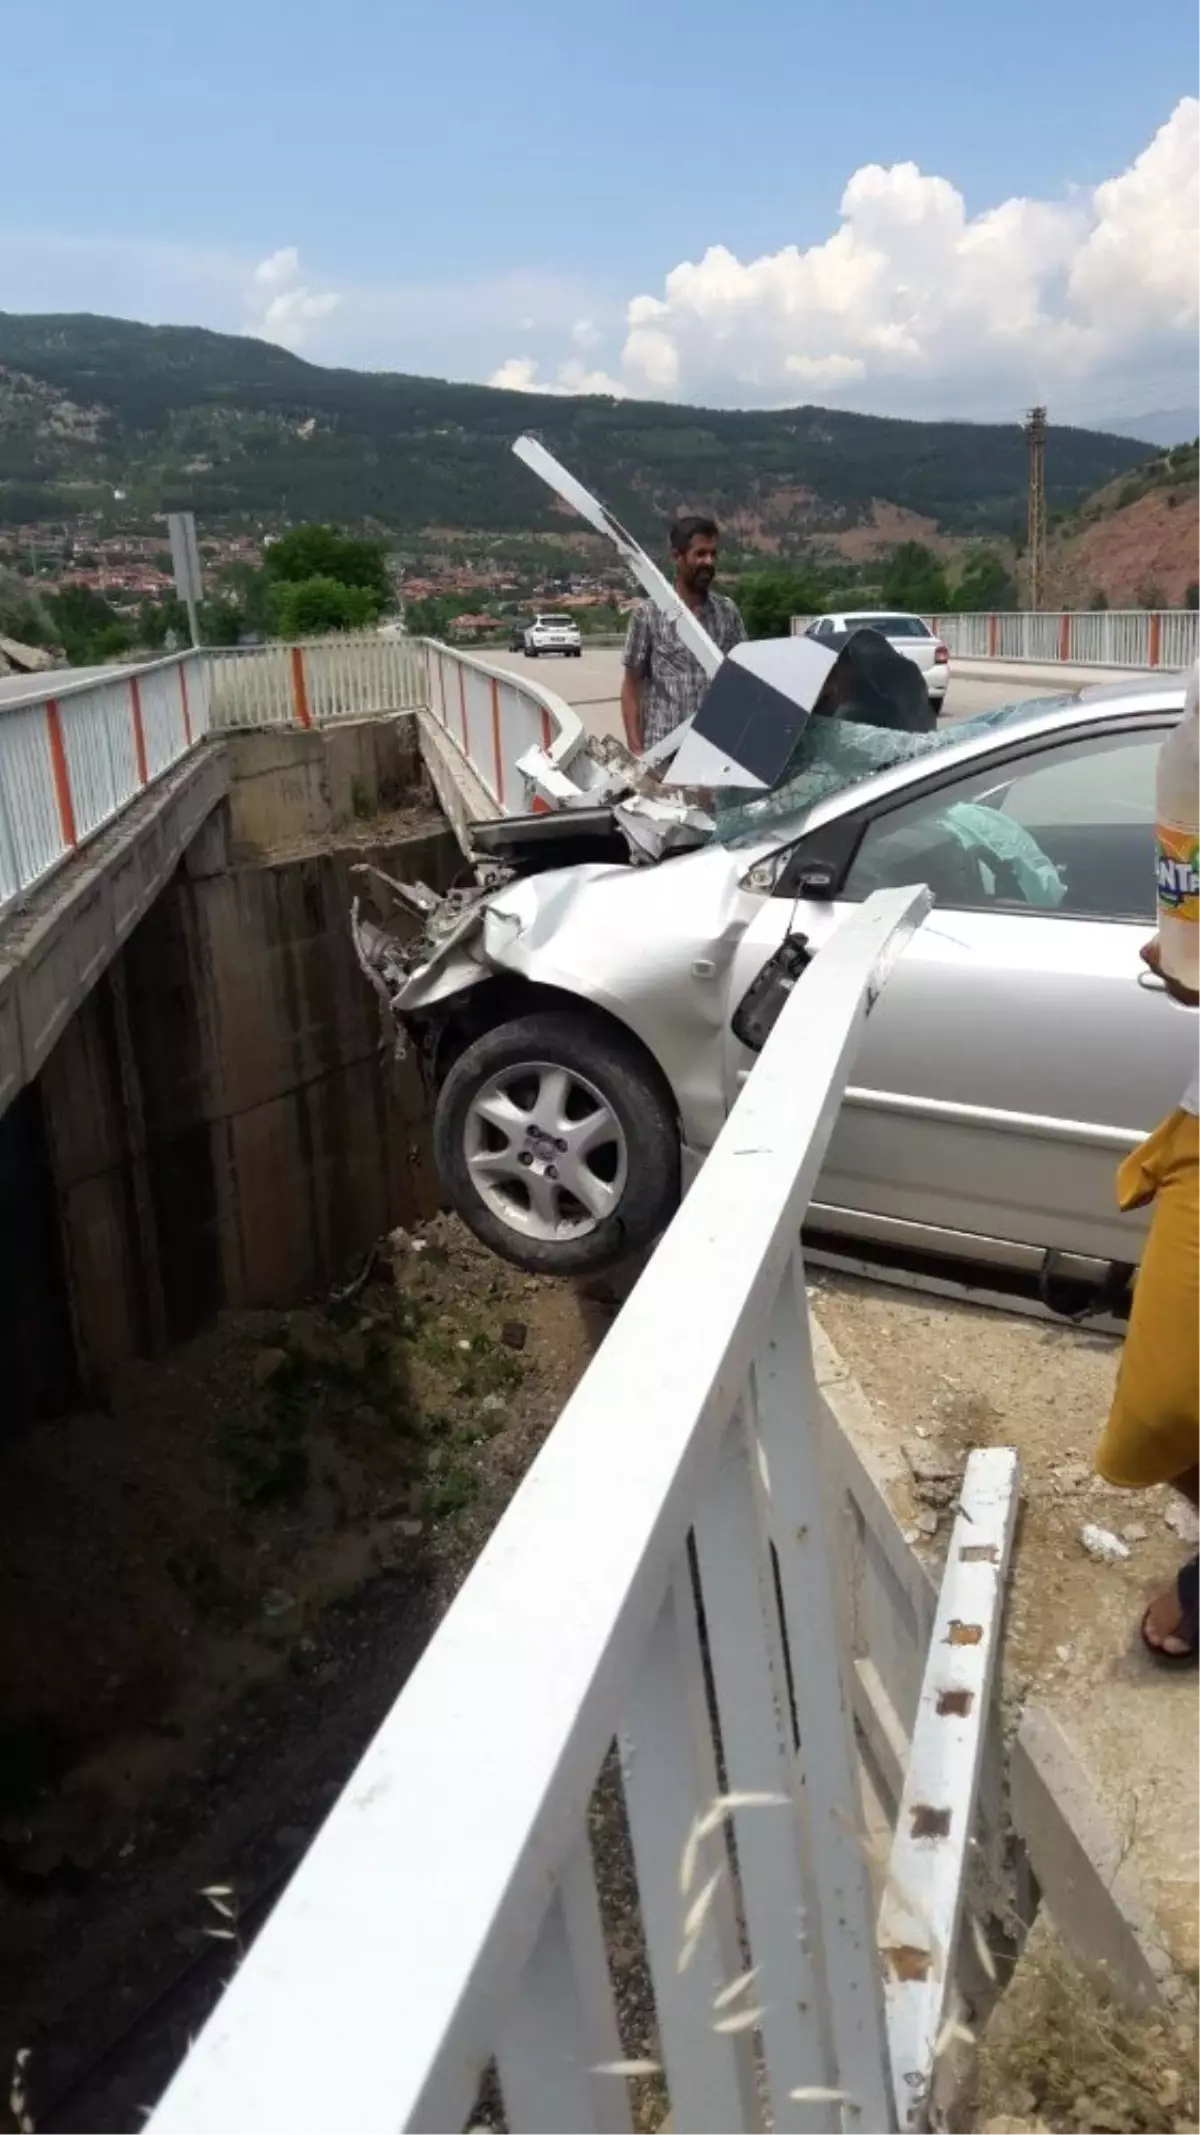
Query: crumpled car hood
column 652, row 946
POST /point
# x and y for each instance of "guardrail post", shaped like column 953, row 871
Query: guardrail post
column 497, row 753
column 462, row 712
column 139, row 731
column 300, row 688
column 58, row 767
column 991, row 637
column 1154, row 654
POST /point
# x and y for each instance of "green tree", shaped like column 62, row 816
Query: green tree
column 220, row 623
column 322, row 552
column 433, row 616
column 86, row 626
column 249, row 590
column 311, row 607
column 24, row 619
column 156, row 617
column 915, row 580
column 1191, row 598
column 1099, row 601
column 986, row 583
column 770, row 599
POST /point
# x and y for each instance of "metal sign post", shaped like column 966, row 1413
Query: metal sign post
column 185, row 559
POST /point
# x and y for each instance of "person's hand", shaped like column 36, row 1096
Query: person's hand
column 1151, row 955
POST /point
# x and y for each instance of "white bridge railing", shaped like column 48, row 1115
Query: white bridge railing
column 524, row 743
column 663, row 1580
column 74, row 754
column 1130, row 637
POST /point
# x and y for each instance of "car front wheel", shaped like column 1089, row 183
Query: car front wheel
column 557, row 1144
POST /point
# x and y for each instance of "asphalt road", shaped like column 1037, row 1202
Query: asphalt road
column 14, row 689
column 593, row 684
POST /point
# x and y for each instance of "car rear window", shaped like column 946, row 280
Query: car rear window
column 891, row 626
column 559, row 621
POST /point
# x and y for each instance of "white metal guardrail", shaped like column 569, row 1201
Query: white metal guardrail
column 351, row 676
column 520, row 739
column 664, row 1578
column 74, row 754
column 1112, row 637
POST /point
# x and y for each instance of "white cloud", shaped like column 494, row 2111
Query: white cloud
column 651, row 357
column 279, row 268
column 291, row 304
column 911, row 304
column 519, row 374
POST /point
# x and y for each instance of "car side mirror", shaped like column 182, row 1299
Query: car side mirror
column 817, row 879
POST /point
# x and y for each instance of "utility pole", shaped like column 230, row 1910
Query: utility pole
column 1035, row 431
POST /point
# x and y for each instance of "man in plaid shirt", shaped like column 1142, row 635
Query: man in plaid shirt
column 664, row 682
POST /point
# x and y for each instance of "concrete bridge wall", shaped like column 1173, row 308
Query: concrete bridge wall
column 216, row 1124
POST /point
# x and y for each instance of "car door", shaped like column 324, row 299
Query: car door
column 1015, row 1054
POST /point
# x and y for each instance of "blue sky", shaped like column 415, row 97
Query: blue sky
column 463, row 188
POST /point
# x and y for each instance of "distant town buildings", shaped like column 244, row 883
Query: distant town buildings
column 130, row 566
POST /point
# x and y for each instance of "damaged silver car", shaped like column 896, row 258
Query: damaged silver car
column 587, row 1011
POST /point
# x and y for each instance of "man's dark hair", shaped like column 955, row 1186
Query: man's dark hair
column 684, row 532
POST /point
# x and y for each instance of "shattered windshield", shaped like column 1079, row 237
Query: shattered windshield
column 834, row 754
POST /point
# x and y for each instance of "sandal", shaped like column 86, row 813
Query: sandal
column 1186, row 1630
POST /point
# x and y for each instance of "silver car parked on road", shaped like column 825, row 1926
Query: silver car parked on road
column 581, row 1021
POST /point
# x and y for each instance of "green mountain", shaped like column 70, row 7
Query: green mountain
column 178, row 417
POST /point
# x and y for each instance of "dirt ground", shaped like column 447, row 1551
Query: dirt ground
column 210, row 1594
column 1057, row 2055
column 261, row 1526
column 948, row 1377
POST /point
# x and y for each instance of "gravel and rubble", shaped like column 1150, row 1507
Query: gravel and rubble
column 944, row 1378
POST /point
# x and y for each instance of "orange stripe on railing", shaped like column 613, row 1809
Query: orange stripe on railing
column 991, row 637
column 462, row 713
column 1064, row 637
column 139, row 731
column 497, row 757
column 300, row 688
column 58, row 767
column 183, row 700
column 1155, row 639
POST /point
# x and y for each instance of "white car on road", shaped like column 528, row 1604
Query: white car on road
column 553, row 633
column 908, row 633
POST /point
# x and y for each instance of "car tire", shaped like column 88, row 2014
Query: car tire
column 531, row 651
column 639, row 1163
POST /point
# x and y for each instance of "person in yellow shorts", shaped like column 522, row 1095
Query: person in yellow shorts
column 1152, row 1430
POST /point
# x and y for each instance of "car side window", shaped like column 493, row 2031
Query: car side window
column 1066, row 830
